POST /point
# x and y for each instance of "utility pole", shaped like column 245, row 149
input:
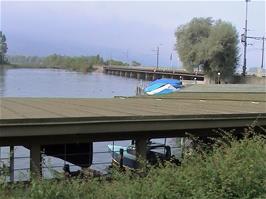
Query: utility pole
column 127, row 56
column 157, row 53
column 244, row 40
column 263, row 39
column 171, row 64
column 262, row 55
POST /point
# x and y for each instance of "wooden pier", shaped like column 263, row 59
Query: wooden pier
column 34, row 122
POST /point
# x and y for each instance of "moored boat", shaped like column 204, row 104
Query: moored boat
column 163, row 86
column 156, row 152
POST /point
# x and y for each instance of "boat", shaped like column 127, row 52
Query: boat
column 126, row 156
column 163, row 86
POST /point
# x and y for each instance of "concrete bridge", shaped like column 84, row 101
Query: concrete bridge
column 38, row 122
column 146, row 73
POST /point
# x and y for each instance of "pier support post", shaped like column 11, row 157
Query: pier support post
column 35, row 160
column 11, row 163
column 141, row 151
column 146, row 76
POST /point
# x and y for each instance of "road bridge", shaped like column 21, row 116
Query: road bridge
column 148, row 73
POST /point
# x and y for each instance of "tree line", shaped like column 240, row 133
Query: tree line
column 79, row 63
column 3, row 48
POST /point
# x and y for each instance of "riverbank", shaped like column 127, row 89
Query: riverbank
column 74, row 63
column 28, row 66
column 234, row 169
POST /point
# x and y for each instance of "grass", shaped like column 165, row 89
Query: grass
column 232, row 169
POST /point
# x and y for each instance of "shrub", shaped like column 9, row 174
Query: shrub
column 233, row 169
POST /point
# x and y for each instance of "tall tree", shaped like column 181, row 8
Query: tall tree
column 3, row 48
column 210, row 44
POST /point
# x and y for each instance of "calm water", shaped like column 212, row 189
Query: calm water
column 61, row 83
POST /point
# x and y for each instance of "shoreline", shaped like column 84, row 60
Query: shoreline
column 21, row 66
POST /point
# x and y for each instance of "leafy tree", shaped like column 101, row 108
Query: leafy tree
column 211, row 44
column 3, row 48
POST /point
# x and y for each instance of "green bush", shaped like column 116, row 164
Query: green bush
column 235, row 169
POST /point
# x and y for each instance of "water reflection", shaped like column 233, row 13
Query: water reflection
column 2, row 80
column 60, row 83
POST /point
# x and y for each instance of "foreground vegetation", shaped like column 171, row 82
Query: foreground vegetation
column 233, row 169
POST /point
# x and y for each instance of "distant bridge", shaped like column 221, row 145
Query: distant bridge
column 148, row 73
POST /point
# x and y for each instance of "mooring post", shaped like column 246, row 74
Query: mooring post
column 141, row 151
column 121, row 163
column 11, row 163
column 35, row 160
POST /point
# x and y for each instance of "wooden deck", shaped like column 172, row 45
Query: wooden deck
column 34, row 122
column 172, row 113
column 18, row 110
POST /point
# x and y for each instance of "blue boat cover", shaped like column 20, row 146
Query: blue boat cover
column 174, row 82
column 152, row 87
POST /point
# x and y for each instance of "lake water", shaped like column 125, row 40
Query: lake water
column 61, row 83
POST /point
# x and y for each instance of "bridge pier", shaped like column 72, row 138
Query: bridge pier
column 141, row 151
column 133, row 75
column 148, row 76
column 140, row 76
column 35, row 160
column 11, row 163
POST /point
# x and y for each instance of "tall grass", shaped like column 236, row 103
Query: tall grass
column 232, row 169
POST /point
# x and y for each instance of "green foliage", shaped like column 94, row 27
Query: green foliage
column 82, row 63
column 233, row 169
column 3, row 48
column 211, row 44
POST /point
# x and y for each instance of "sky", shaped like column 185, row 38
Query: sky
column 120, row 30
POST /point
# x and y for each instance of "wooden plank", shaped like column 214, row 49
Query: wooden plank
column 17, row 108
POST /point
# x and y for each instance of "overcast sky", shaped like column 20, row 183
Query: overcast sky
column 112, row 29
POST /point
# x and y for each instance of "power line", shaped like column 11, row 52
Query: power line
column 262, row 55
column 244, row 38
